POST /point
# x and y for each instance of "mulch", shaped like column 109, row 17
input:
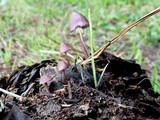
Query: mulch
column 124, row 92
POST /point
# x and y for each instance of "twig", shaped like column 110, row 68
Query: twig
column 125, row 106
column 47, row 94
column 80, row 70
column 66, row 105
column 28, row 90
column 120, row 34
column 69, row 91
column 11, row 94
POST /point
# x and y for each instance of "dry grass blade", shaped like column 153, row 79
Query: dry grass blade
column 11, row 94
column 120, row 34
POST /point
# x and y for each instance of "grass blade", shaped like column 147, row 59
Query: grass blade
column 92, row 49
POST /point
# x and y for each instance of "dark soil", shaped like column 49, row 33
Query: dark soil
column 124, row 92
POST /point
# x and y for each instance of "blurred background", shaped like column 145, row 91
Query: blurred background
column 31, row 30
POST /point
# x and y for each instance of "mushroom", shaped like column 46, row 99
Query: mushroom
column 44, row 80
column 64, row 47
column 62, row 66
column 77, row 23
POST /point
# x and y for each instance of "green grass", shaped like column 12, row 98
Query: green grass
column 92, row 45
column 31, row 30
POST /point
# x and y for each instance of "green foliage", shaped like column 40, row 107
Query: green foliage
column 154, row 80
column 6, row 54
column 136, row 52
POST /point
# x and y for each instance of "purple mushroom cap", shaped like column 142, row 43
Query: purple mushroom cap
column 64, row 47
column 62, row 65
column 45, row 79
column 77, row 20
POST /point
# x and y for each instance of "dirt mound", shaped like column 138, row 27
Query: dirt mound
column 124, row 92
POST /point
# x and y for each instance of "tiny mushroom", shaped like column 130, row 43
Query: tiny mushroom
column 77, row 23
column 44, row 80
column 64, row 47
column 62, row 66
column 77, row 20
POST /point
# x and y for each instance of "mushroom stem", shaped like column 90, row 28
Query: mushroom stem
column 67, row 58
column 80, row 31
column 46, row 87
column 63, row 76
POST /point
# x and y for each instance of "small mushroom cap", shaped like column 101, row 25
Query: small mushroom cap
column 77, row 20
column 64, row 47
column 62, row 65
column 45, row 79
